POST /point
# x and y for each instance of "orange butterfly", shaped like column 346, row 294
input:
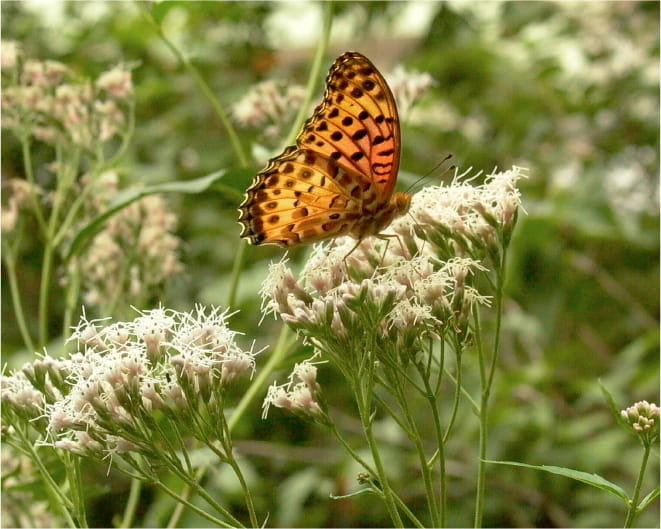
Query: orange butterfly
column 339, row 177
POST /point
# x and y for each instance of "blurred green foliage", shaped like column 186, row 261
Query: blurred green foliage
column 568, row 90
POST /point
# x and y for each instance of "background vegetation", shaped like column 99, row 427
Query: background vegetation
column 568, row 90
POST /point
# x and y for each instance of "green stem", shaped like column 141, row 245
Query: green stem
column 265, row 374
column 72, row 463
column 381, row 473
column 363, row 388
column 417, row 441
column 71, row 305
column 372, row 472
column 127, row 135
column 499, row 321
column 71, row 215
column 440, row 439
column 65, row 179
column 216, row 521
column 633, row 503
column 244, row 486
column 237, row 269
column 178, row 510
column 29, row 175
column 481, row 474
column 195, row 486
column 474, row 406
column 400, row 503
column 202, row 84
column 58, row 500
column 457, row 394
column 207, row 497
column 315, row 72
column 132, row 504
column 44, row 290
column 487, row 381
column 19, row 313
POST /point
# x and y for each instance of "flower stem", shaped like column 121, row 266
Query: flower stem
column 72, row 464
column 486, row 379
column 29, row 174
column 265, row 374
column 417, row 441
column 244, row 486
column 440, row 439
column 315, row 71
column 202, row 84
column 217, row 521
column 370, row 469
column 363, row 388
column 194, row 484
column 58, row 500
column 633, row 503
column 10, row 262
column 44, row 290
column 381, row 473
column 457, row 395
column 132, row 504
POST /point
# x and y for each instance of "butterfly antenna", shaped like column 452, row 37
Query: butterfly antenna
column 451, row 168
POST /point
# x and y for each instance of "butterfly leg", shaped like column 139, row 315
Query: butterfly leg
column 388, row 237
column 344, row 259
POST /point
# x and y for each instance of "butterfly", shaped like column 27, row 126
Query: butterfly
column 339, row 177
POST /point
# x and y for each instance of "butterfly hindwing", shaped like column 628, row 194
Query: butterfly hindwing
column 301, row 197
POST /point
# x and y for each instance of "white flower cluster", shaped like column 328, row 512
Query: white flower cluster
column 135, row 252
column 17, row 197
column 643, row 419
column 407, row 88
column 464, row 219
column 43, row 98
column 410, row 301
column 269, row 105
column 109, row 396
column 392, row 293
column 300, row 394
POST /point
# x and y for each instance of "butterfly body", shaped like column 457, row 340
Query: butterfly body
column 339, row 177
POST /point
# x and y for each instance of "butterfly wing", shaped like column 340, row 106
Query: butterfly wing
column 341, row 172
column 357, row 123
column 299, row 198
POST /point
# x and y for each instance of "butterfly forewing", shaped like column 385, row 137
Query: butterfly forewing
column 356, row 124
column 339, row 177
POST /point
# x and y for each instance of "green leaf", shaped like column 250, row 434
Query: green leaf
column 615, row 409
column 128, row 196
column 649, row 498
column 591, row 479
